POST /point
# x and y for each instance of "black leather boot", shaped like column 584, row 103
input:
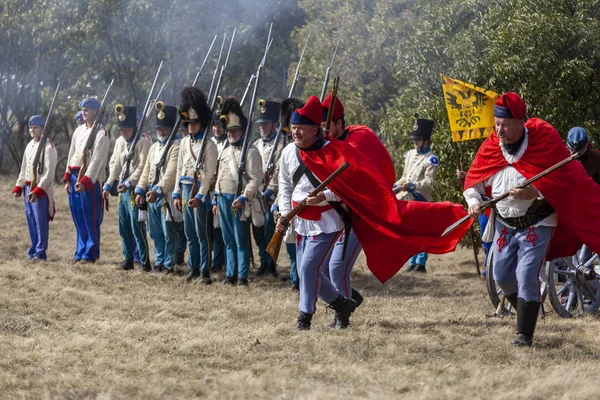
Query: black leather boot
column 512, row 299
column 343, row 308
column 125, row 265
column 303, row 322
column 271, row 269
column 206, row 277
column 357, row 297
column 262, row 270
column 420, row 268
column 527, row 314
column 192, row 275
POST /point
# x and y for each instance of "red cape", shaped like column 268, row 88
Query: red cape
column 362, row 138
column 390, row 230
column 572, row 193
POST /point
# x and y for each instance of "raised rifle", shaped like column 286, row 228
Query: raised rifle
column 92, row 137
column 138, row 131
column 244, row 152
column 326, row 81
column 216, row 99
column 153, row 102
column 504, row 195
column 252, row 77
column 271, row 160
column 336, row 83
column 163, row 158
column 275, row 244
column 38, row 159
column 214, row 76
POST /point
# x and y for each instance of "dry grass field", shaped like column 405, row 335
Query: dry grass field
column 79, row 332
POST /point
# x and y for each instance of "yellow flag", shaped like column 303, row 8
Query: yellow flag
column 470, row 109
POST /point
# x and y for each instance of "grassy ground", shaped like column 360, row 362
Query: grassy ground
column 91, row 332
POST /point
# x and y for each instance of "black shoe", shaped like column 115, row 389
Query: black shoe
column 206, row 278
column 271, row 269
column 303, row 322
column 242, row 282
column 217, row 269
column 158, row 268
column 527, row 314
column 192, row 275
column 125, row 265
column 357, row 297
column 420, row 268
column 169, row 271
column 146, row 267
column 411, row 268
column 295, row 286
column 262, row 270
column 179, row 259
column 342, row 307
column 523, row 340
column 229, row 280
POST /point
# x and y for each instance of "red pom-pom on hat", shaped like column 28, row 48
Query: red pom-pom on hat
column 513, row 102
column 338, row 108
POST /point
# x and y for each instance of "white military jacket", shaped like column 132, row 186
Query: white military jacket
column 227, row 179
column 186, row 161
column 98, row 155
column 45, row 181
column 117, row 161
column 420, row 170
column 168, row 172
column 265, row 147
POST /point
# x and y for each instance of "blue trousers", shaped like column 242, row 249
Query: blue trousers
column 262, row 237
column 37, row 223
column 291, row 250
column 235, row 236
column 196, row 222
column 87, row 212
column 163, row 233
column 518, row 257
column 338, row 269
column 181, row 239
column 132, row 231
column 218, row 248
column 312, row 253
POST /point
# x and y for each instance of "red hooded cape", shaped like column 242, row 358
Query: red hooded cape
column 572, row 193
column 362, row 138
column 390, row 230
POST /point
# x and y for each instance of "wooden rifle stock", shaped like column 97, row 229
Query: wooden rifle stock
column 38, row 159
column 274, row 246
column 504, row 195
column 90, row 140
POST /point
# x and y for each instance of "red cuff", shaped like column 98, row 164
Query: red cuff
column 66, row 177
column 39, row 192
column 18, row 190
column 87, row 183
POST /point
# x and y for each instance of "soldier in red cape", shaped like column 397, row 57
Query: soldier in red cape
column 534, row 223
column 390, row 230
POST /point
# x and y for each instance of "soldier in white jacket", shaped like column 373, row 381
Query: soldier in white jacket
column 125, row 175
column 85, row 198
column 37, row 185
column 421, row 167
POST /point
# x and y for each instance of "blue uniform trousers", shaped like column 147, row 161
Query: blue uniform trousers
column 87, row 213
column 518, row 257
column 196, row 222
column 218, row 247
column 291, row 250
column 312, row 253
column 338, row 269
column 235, row 236
column 163, row 233
column 262, row 237
column 131, row 230
column 37, row 223
column 181, row 239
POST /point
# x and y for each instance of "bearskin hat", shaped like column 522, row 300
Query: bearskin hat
column 232, row 115
column 288, row 106
column 193, row 107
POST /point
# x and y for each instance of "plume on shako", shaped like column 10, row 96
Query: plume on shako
column 193, row 107
column 288, row 106
column 232, row 115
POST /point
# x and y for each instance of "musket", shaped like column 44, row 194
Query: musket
column 247, row 89
column 504, row 195
column 38, row 159
column 138, row 130
column 92, row 137
column 244, row 152
column 336, row 83
column 213, row 103
column 271, row 160
column 326, row 81
column 214, row 76
column 163, row 158
column 275, row 244
column 155, row 100
column 295, row 81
